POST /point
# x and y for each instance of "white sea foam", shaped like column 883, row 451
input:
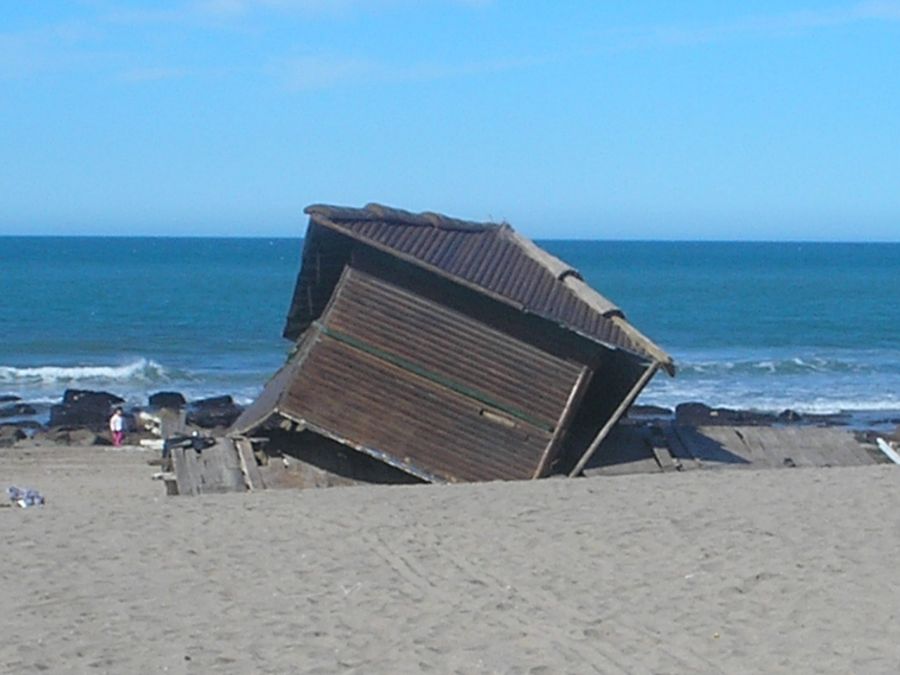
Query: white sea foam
column 789, row 365
column 838, row 396
column 42, row 386
column 139, row 371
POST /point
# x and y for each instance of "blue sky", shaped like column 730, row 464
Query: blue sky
column 639, row 120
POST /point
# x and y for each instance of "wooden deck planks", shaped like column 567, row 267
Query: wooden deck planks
column 773, row 447
column 628, row 450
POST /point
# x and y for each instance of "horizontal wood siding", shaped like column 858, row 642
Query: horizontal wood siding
column 375, row 404
column 453, row 346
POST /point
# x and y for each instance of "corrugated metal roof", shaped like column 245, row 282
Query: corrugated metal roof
column 491, row 258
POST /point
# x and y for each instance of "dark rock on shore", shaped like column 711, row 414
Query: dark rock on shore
column 86, row 397
column 886, row 421
column 81, row 408
column 28, row 425
column 218, row 411
column 9, row 434
column 9, row 398
column 818, row 419
column 17, row 410
column 699, row 414
column 649, row 411
column 167, row 399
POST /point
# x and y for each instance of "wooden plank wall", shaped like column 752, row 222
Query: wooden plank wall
column 213, row 469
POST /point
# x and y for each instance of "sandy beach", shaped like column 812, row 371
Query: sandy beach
column 720, row 571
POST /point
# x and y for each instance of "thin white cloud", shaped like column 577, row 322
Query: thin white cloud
column 760, row 26
column 140, row 16
column 317, row 72
column 84, row 44
column 225, row 9
column 314, row 72
column 51, row 47
column 154, row 74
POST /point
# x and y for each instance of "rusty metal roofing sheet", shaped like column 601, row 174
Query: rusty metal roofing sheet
column 493, row 259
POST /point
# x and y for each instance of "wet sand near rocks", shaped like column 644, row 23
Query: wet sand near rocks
column 789, row 571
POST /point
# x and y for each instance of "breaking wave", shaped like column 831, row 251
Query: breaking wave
column 806, row 365
column 43, row 385
column 141, row 371
column 821, row 381
column 839, row 399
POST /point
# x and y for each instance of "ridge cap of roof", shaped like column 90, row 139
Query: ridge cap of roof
column 390, row 215
column 567, row 275
column 571, row 278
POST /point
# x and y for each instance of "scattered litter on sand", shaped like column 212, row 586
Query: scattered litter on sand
column 24, row 497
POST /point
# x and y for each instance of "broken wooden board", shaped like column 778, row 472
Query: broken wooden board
column 213, row 469
column 252, row 476
column 625, row 450
column 772, row 447
column 632, row 450
column 665, row 459
column 888, row 450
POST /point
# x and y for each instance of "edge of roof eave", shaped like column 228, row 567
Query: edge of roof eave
column 571, row 279
column 651, row 349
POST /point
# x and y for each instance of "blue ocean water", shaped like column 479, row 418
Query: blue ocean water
column 769, row 326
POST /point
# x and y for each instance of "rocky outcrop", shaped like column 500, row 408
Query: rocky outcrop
column 209, row 413
column 81, row 408
column 17, row 410
column 895, row 436
column 649, row 411
column 10, row 434
column 699, row 415
column 167, row 399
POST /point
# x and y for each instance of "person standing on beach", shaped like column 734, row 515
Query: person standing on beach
column 117, row 427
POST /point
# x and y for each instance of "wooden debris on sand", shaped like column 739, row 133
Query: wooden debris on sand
column 635, row 449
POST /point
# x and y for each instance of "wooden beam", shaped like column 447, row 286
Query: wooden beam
column 680, row 448
column 252, row 476
column 565, row 420
column 664, row 458
column 889, row 452
column 617, row 413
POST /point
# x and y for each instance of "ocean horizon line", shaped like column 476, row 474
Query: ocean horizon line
column 612, row 240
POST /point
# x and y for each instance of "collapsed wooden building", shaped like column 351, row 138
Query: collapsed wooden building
column 434, row 349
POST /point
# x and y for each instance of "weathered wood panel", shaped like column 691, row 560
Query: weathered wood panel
column 420, row 426
column 213, row 469
column 630, row 450
column 250, row 469
column 451, row 345
column 760, row 447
